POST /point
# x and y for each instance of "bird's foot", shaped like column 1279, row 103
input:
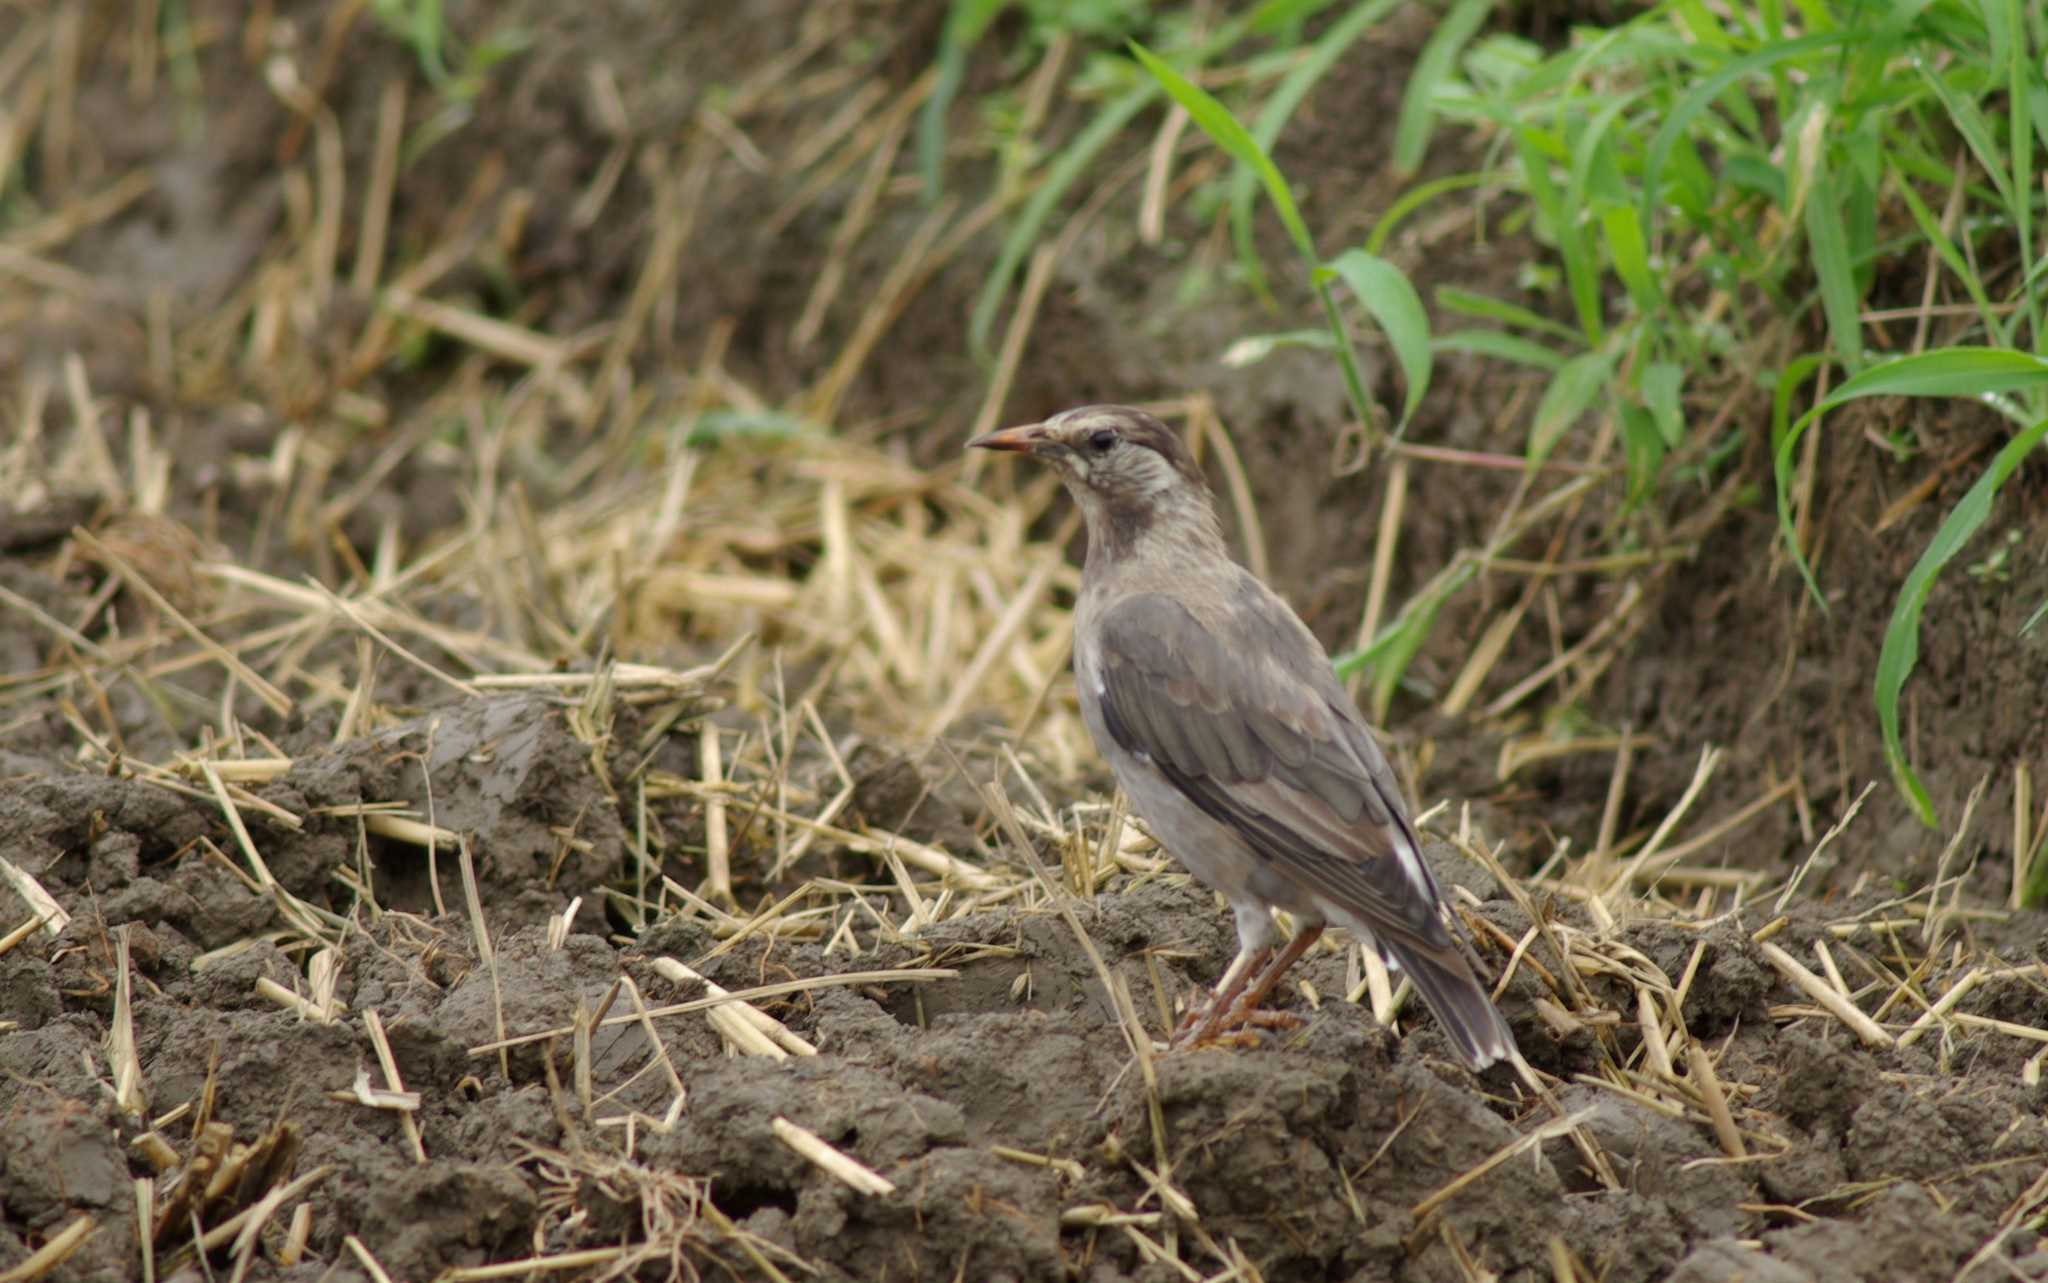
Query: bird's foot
column 1247, row 1030
column 1239, row 1027
column 1262, row 1018
column 1235, row 1009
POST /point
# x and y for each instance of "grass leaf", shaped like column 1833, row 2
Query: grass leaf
column 1951, row 257
column 1976, row 131
column 1955, row 371
column 1662, row 382
column 965, row 23
column 1624, row 234
column 1960, row 371
column 1901, row 649
column 1432, row 66
column 1679, row 121
column 721, row 425
column 1397, row 309
column 1226, row 132
column 1500, row 345
column 1582, row 275
column 1487, row 308
column 1784, row 437
column 1574, row 387
column 1389, row 653
column 1072, row 163
column 1828, row 240
column 1273, row 117
column 1644, row 445
column 1418, row 196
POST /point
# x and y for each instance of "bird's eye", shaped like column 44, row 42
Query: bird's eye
column 1102, row 440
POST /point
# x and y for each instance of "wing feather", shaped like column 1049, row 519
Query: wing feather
column 1239, row 722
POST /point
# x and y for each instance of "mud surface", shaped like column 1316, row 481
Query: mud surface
column 1000, row 1101
column 990, row 1080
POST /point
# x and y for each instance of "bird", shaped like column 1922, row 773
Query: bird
column 1222, row 719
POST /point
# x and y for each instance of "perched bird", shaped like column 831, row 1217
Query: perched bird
column 1222, row 718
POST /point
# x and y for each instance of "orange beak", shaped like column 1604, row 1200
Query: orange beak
column 1020, row 440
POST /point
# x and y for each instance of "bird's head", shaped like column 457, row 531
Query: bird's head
column 1129, row 472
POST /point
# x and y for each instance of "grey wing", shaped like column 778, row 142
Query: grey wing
column 1247, row 721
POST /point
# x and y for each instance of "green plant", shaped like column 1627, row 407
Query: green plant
column 1125, row 91
column 1710, row 179
column 1953, row 372
column 458, row 71
column 1375, row 283
column 968, row 20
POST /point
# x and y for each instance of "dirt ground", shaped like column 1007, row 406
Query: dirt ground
column 439, row 669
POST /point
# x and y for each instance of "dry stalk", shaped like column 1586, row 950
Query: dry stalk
column 1826, row 996
column 813, row 1148
column 894, row 975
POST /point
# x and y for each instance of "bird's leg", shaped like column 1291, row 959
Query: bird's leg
column 1269, row 976
column 1256, row 936
column 1240, row 1006
column 1228, row 986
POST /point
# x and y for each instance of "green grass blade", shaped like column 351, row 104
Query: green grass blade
column 1784, row 438
column 1389, row 654
column 1591, row 150
column 1663, row 382
column 1412, row 629
column 1275, row 16
column 1418, row 196
column 1623, row 230
column 716, row 426
column 1970, row 123
column 1593, row 172
column 1582, row 275
column 1501, row 346
column 1273, row 117
column 1432, row 66
column 1643, row 443
column 1485, row 307
column 1678, row 124
column 1226, row 132
column 1701, row 25
column 1930, row 228
column 1388, row 297
column 2034, row 620
column 2022, row 81
column 1828, row 241
column 2035, row 869
column 1955, row 371
column 1072, row 162
column 1572, row 389
column 1949, row 372
column 965, row 23
column 1901, row 649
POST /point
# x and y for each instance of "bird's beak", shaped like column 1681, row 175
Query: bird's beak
column 1028, row 439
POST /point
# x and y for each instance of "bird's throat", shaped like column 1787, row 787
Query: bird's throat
column 1132, row 531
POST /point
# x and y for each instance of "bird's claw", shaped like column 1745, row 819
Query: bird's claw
column 1263, row 1019
column 1240, row 1027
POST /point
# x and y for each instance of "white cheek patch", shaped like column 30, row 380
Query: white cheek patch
column 1156, row 475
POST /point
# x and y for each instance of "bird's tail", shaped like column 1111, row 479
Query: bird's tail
column 1457, row 999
